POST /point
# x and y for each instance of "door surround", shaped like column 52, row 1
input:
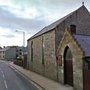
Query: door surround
column 68, row 66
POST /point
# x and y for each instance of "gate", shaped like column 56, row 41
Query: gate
column 86, row 74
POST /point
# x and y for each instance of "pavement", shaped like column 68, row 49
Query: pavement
column 43, row 82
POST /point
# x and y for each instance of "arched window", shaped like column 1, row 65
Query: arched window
column 67, row 53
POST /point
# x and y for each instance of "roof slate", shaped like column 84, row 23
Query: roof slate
column 84, row 42
column 53, row 25
column 4, row 49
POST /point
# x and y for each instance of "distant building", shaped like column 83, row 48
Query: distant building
column 12, row 52
column 63, row 55
column 2, row 52
column 20, row 51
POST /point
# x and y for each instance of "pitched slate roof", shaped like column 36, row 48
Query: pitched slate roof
column 84, row 42
column 53, row 25
column 4, row 49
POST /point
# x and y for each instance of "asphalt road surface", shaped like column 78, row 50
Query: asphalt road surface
column 11, row 80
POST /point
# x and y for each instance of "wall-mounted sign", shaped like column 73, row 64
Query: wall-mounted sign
column 59, row 60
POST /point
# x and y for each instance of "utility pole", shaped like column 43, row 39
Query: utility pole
column 23, row 37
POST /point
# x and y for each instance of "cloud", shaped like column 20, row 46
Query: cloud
column 5, row 2
column 44, row 3
column 8, row 36
column 9, row 20
column 31, row 16
column 26, row 12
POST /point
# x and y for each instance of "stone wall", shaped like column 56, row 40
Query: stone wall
column 29, row 63
column 77, row 53
column 80, row 18
column 47, row 43
column 37, row 55
column 49, row 55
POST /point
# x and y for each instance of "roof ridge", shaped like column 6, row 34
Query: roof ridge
column 54, row 24
column 81, row 35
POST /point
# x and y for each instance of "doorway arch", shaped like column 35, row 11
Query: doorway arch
column 68, row 66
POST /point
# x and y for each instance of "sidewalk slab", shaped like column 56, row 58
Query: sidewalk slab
column 42, row 81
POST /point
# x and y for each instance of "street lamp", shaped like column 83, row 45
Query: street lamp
column 23, row 37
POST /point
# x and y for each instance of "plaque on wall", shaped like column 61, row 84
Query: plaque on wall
column 59, row 60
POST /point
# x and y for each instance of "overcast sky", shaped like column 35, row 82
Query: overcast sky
column 31, row 16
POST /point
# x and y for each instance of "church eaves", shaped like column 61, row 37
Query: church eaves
column 53, row 25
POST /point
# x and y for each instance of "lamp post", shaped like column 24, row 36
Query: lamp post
column 23, row 45
column 23, row 37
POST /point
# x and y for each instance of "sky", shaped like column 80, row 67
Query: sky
column 30, row 16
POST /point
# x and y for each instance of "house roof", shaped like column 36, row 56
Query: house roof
column 53, row 25
column 4, row 49
column 84, row 42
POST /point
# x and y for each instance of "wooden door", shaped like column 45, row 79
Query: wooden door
column 69, row 72
column 68, row 67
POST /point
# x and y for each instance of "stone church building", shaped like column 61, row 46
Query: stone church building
column 61, row 51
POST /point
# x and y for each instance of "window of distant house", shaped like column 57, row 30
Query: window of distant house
column 32, row 51
column 73, row 29
column 42, row 51
column 20, row 53
column 20, row 50
column 16, row 55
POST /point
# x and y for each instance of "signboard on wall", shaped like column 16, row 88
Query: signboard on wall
column 59, row 60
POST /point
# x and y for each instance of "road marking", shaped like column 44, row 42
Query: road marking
column 2, row 72
column 0, row 69
column 5, row 83
column 4, row 78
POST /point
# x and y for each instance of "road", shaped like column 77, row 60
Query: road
column 10, row 79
